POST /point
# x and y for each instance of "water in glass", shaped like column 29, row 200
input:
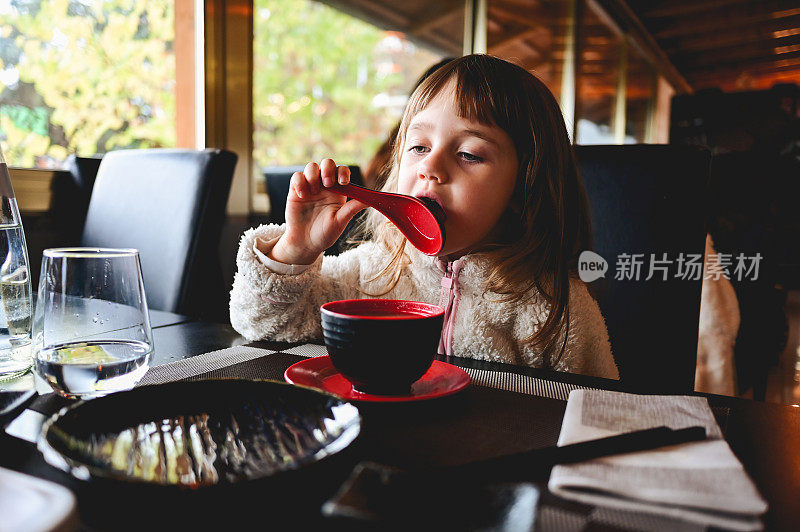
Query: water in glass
column 94, row 367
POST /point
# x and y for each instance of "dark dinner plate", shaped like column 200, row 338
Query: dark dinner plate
column 198, row 434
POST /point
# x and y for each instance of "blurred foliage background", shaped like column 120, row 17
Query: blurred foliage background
column 85, row 78
column 90, row 76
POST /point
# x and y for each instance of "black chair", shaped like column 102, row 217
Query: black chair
column 170, row 205
column 649, row 200
column 277, row 180
column 71, row 192
column 83, row 171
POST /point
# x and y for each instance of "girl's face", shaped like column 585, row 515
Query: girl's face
column 469, row 168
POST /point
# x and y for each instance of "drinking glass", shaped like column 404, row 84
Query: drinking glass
column 15, row 285
column 91, row 327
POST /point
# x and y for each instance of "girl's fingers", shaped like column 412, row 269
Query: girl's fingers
column 300, row 185
column 328, row 170
column 311, row 174
column 348, row 210
column 313, row 178
column 343, row 174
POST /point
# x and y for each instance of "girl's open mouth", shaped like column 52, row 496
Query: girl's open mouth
column 434, row 205
column 430, row 197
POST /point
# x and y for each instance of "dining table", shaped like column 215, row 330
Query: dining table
column 506, row 409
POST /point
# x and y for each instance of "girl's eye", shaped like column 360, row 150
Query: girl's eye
column 469, row 157
column 419, row 149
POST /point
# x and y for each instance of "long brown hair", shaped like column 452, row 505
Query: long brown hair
column 547, row 222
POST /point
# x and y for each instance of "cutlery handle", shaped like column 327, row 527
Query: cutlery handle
column 356, row 192
column 525, row 464
column 640, row 440
column 373, row 198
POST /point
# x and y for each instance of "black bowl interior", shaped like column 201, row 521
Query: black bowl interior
column 194, row 434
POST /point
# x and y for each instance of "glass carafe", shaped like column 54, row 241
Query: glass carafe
column 15, row 285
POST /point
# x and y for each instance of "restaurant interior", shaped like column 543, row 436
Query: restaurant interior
column 96, row 96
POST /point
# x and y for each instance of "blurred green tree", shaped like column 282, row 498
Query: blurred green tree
column 319, row 77
column 89, row 76
column 85, row 77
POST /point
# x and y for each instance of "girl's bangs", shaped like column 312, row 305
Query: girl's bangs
column 474, row 95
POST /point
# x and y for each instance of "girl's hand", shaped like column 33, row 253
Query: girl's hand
column 315, row 217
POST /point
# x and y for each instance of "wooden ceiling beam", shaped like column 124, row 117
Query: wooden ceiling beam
column 442, row 12
column 737, row 63
column 786, row 72
column 644, row 42
column 761, row 32
column 652, row 10
column 537, row 54
column 735, row 19
column 375, row 13
column 753, row 79
column 451, row 47
column 784, row 65
column 768, row 48
column 382, row 16
column 525, row 35
column 535, row 16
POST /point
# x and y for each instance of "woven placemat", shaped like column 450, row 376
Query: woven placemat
column 197, row 365
column 522, row 383
column 491, row 379
column 216, row 361
column 307, row 350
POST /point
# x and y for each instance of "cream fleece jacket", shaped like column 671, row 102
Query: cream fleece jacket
column 269, row 305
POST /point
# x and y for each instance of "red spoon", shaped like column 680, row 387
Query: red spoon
column 421, row 220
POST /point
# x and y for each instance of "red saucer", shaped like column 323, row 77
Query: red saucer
column 441, row 379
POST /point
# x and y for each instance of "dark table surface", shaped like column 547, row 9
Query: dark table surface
column 479, row 422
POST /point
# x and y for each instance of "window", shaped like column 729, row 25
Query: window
column 641, row 85
column 328, row 84
column 599, row 76
column 532, row 34
column 85, row 77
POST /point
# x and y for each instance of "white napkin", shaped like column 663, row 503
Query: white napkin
column 702, row 482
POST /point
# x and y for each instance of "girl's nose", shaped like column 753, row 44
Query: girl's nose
column 432, row 167
column 423, row 174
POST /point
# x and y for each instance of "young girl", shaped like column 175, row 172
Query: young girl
column 486, row 140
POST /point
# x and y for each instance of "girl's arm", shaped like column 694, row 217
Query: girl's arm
column 266, row 304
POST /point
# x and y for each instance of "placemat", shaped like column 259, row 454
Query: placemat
column 210, row 365
column 200, row 364
column 522, row 384
column 246, row 363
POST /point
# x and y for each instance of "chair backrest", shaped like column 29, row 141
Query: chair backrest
column 83, row 171
column 170, row 205
column 71, row 192
column 647, row 201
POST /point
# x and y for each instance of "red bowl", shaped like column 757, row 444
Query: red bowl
column 382, row 346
